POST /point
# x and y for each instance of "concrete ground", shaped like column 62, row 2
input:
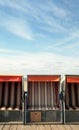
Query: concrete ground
column 38, row 127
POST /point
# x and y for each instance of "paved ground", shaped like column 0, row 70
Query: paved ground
column 39, row 127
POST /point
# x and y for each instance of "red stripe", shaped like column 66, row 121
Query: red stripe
column 72, row 79
column 6, row 78
column 43, row 78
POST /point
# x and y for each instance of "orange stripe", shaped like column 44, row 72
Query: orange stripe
column 72, row 79
column 10, row 78
column 43, row 78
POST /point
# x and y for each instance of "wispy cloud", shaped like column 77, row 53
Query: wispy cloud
column 44, row 13
column 33, row 20
column 16, row 26
column 13, row 4
column 67, row 41
column 56, row 10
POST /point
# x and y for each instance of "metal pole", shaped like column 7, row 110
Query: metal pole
column 63, row 106
column 25, row 107
column 61, row 95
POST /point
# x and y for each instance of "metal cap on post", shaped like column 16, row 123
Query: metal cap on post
column 25, row 85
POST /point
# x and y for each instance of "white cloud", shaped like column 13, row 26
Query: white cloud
column 37, row 63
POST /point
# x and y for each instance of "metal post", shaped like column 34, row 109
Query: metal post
column 25, row 107
column 61, row 95
column 63, row 106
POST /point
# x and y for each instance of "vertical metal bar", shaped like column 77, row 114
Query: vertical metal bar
column 32, row 95
column 25, row 107
column 0, row 94
column 39, row 94
column 48, row 94
column 73, row 101
column 77, row 94
column 18, row 97
column 67, row 96
column 6, row 94
column 51, row 95
column 45, row 95
column 35, row 96
column 56, row 91
column 54, row 95
column 28, row 95
column 12, row 94
column 42, row 96
column 63, row 106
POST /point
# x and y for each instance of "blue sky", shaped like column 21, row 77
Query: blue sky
column 39, row 37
